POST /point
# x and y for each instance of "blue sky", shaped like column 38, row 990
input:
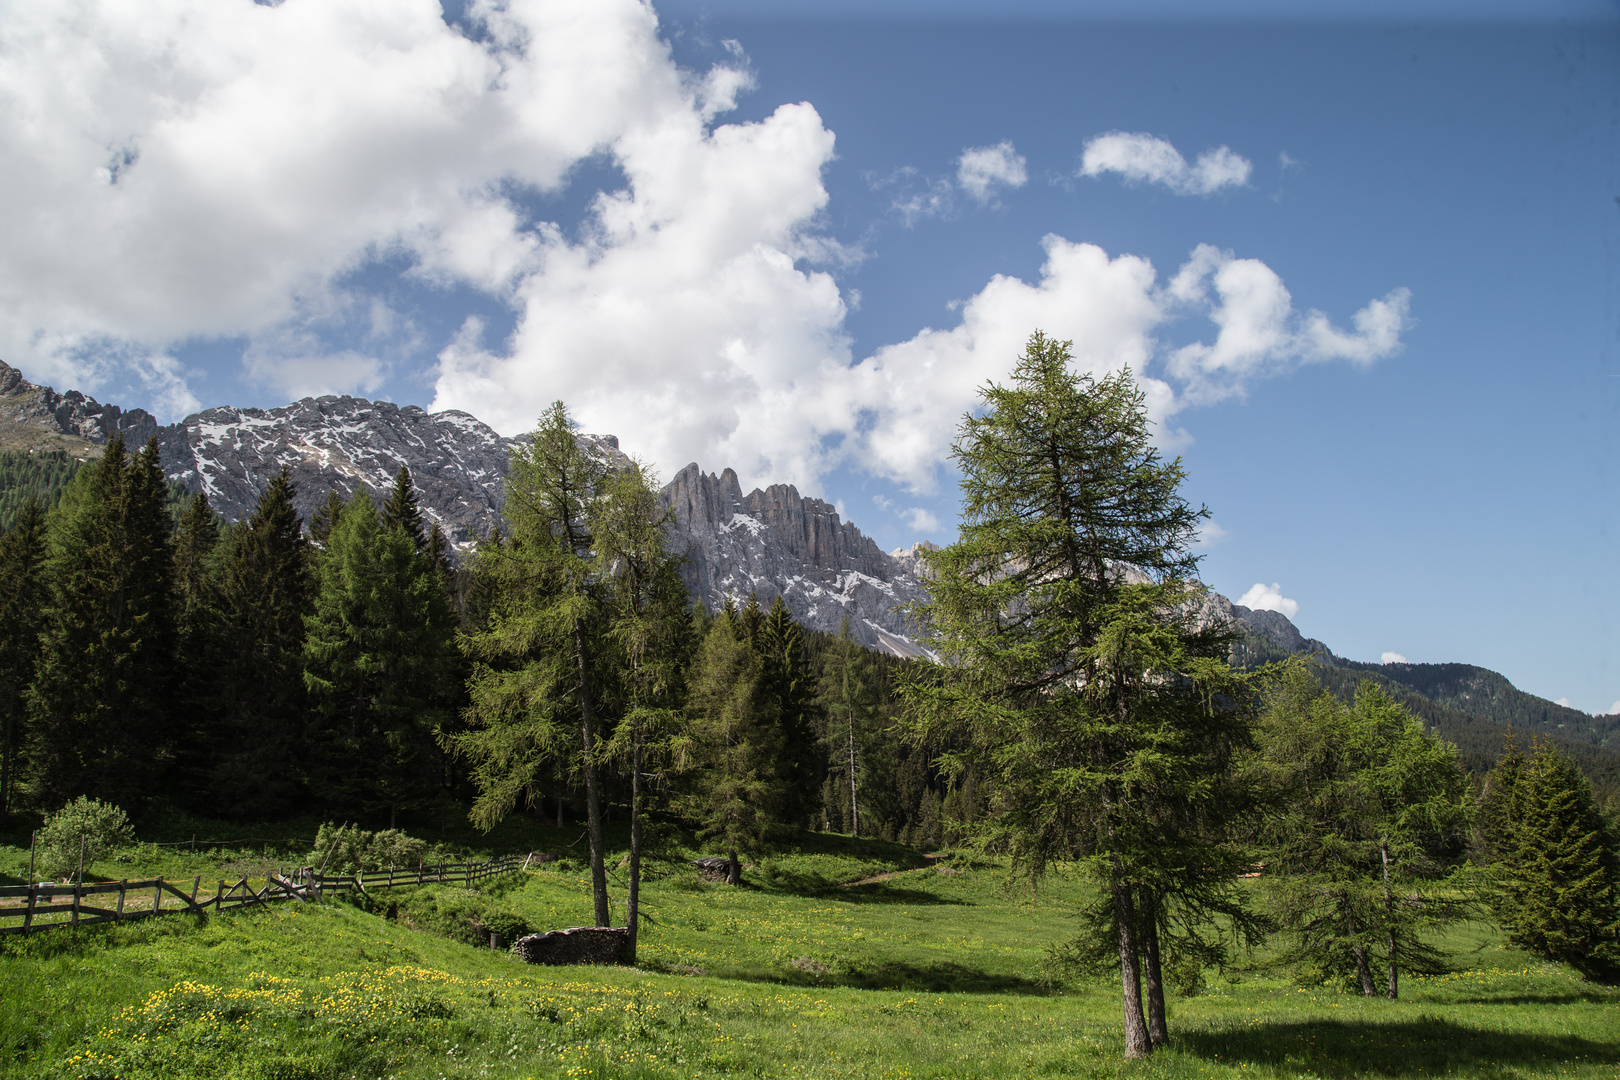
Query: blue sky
column 244, row 205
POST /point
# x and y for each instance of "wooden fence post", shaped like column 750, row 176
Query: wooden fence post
column 28, row 916
column 157, row 896
column 219, row 897
column 195, row 885
column 118, row 916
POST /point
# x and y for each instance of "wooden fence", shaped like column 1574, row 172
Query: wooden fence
column 25, row 908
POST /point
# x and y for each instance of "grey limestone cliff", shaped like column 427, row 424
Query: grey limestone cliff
column 775, row 542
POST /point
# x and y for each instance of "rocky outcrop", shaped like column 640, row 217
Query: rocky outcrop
column 579, row 945
column 776, row 542
column 37, row 416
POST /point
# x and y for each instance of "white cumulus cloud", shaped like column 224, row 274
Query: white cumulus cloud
column 1392, row 658
column 1614, row 710
column 1144, row 158
column 981, row 170
column 186, row 169
column 1263, row 597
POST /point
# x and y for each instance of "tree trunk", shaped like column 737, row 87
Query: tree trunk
column 1358, row 950
column 733, row 869
column 1158, row 1031
column 1389, row 921
column 633, row 902
column 593, row 794
column 854, row 812
column 1137, row 1043
column 5, row 764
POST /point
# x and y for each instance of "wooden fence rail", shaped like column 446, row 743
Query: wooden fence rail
column 26, row 908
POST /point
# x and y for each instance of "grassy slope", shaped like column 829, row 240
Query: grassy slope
column 924, row 974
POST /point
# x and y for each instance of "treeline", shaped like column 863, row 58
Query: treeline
column 343, row 665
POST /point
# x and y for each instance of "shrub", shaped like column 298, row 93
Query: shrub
column 355, row 850
column 100, row 827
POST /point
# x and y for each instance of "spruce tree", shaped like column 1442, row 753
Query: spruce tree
column 99, row 703
column 199, row 648
column 379, row 659
column 738, row 793
column 1075, row 669
column 265, row 593
column 401, row 510
column 325, row 519
column 1556, row 859
column 791, row 688
column 23, row 596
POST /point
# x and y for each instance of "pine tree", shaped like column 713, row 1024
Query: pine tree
column 23, row 595
column 260, row 704
column 1557, row 862
column 379, row 656
column 1075, row 670
column 402, row 511
column 99, row 703
column 738, row 794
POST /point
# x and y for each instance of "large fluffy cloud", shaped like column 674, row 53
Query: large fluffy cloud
column 176, row 169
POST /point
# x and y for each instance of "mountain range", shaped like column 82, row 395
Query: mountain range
column 768, row 542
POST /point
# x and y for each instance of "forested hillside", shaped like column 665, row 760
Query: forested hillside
column 24, row 476
column 1477, row 723
column 45, row 474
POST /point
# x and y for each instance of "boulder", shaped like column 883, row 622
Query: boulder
column 577, row 945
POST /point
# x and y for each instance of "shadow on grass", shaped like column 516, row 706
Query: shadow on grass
column 1594, row 997
column 1425, row 1046
column 885, row 893
column 935, row 978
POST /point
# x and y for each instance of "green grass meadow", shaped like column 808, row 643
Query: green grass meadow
column 930, row 972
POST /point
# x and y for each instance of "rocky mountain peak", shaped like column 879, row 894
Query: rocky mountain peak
column 775, row 542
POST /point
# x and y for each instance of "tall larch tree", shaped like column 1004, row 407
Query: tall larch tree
column 537, row 663
column 1374, row 814
column 648, row 625
column 1075, row 671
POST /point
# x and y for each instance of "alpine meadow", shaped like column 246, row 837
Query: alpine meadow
column 1217, row 683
